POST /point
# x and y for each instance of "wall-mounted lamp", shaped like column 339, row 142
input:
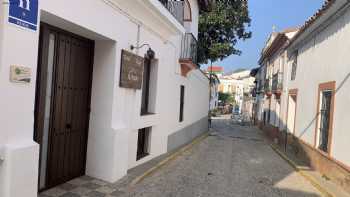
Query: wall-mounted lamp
column 150, row 54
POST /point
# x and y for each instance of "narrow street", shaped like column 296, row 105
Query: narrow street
column 232, row 161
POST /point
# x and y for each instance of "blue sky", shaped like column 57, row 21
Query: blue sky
column 265, row 14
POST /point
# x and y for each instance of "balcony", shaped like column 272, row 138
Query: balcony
column 277, row 83
column 259, row 87
column 188, row 56
column 176, row 8
column 268, row 90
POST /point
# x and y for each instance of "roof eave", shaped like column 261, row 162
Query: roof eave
column 277, row 44
column 329, row 8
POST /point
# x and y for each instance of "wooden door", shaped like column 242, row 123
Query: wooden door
column 69, row 104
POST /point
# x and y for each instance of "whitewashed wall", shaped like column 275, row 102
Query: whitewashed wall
column 324, row 58
column 115, row 114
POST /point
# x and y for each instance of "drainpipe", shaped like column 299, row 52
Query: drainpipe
column 2, row 154
column 138, row 38
column 210, row 83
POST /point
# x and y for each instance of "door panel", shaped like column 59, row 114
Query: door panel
column 69, row 116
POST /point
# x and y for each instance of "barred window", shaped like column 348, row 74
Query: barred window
column 294, row 66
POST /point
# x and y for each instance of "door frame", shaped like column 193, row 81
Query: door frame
column 292, row 92
column 40, row 92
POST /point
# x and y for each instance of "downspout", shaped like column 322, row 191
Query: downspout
column 138, row 38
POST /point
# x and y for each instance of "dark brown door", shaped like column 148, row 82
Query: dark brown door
column 69, row 93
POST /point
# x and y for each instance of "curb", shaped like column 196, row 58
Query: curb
column 168, row 159
column 309, row 178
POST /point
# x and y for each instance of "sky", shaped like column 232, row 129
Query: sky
column 265, row 14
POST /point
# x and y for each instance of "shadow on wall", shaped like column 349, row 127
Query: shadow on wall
column 313, row 121
column 305, row 153
column 316, row 116
column 325, row 33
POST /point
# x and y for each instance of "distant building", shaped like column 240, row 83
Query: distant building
column 239, row 84
column 217, row 70
column 271, row 102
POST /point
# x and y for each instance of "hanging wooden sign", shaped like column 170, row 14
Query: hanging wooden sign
column 131, row 70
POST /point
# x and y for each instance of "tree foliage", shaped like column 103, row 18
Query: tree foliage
column 226, row 98
column 221, row 28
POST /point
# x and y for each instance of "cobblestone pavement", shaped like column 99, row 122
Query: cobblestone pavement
column 234, row 161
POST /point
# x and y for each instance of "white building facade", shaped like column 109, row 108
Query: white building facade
column 319, row 86
column 272, row 80
column 65, row 109
column 239, row 84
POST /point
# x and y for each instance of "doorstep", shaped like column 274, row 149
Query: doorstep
column 88, row 186
column 322, row 183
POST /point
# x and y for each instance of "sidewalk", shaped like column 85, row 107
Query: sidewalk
column 324, row 184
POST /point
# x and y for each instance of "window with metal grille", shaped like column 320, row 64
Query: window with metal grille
column 143, row 142
column 294, row 66
column 325, row 112
column 182, row 102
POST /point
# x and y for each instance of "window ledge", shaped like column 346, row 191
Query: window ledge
column 148, row 114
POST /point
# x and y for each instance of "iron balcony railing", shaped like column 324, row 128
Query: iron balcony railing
column 267, row 85
column 260, row 87
column 189, row 47
column 277, row 82
column 176, row 8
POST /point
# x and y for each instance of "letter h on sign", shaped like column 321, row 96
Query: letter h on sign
column 25, row 3
column 24, row 13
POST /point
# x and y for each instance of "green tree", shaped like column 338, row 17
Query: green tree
column 226, row 98
column 220, row 28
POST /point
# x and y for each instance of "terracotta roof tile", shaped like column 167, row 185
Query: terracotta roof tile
column 215, row 69
column 326, row 5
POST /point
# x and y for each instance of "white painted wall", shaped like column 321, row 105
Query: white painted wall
column 17, row 47
column 115, row 114
column 323, row 58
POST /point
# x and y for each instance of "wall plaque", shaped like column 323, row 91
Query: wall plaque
column 20, row 74
column 131, row 70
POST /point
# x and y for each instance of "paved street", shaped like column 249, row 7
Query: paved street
column 234, row 161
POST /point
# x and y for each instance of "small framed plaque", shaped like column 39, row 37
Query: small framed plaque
column 20, row 74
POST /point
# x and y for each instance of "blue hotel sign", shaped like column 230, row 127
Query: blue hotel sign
column 24, row 13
